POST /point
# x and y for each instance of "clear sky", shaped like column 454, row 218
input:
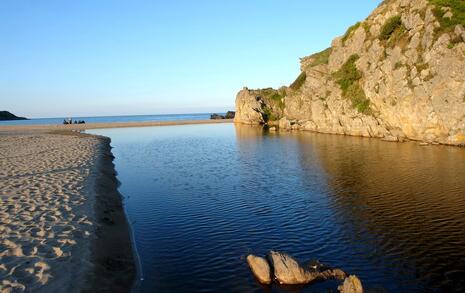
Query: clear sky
column 109, row 57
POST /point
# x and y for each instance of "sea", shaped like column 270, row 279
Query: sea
column 108, row 119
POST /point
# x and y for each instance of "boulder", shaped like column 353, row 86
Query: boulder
column 351, row 284
column 260, row 268
column 288, row 271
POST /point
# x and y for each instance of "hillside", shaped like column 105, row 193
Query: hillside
column 399, row 74
column 5, row 115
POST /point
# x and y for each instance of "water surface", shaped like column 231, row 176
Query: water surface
column 108, row 119
column 202, row 197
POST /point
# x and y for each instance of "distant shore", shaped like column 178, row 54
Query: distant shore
column 78, row 127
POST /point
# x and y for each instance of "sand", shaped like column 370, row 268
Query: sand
column 58, row 127
column 62, row 224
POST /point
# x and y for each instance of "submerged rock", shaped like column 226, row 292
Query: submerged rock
column 260, row 268
column 351, row 284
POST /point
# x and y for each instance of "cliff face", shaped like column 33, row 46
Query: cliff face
column 398, row 74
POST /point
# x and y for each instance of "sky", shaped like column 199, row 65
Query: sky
column 112, row 57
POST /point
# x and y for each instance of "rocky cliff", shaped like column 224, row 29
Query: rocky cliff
column 399, row 74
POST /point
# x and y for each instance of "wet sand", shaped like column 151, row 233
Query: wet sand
column 58, row 127
column 62, row 223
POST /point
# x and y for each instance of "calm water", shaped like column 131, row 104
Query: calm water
column 202, row 197
column 104, row 119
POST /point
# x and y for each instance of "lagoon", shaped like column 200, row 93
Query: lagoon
column 202, row 197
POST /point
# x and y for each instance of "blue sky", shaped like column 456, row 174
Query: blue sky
column 110, row 57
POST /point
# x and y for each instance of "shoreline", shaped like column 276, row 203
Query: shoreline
column 113, row 251
column 78, row 127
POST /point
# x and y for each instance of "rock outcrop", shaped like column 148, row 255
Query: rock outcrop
column 260, row 268
column 287, row 271
column 5, row 115
column 399, row 74
column 229, row 115
column 351, row 284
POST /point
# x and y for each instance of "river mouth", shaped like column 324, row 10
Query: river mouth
column 202, row 197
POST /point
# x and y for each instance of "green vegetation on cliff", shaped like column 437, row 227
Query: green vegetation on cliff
column 348, row 74
column 349, row 32
column 393, row 33
column 297, row 84
column 391, row 25
column 273, row 106
column 348, row 77
column 321, row 57
column 456, row 7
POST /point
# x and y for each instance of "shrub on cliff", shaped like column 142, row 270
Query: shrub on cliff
column 348, row 77
column 391, row 25
column 348, row 74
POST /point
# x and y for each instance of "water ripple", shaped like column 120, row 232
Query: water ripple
column 203, row 197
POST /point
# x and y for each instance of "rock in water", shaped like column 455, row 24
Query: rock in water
column 260, row 268
column 288, row 271
column 352, row 284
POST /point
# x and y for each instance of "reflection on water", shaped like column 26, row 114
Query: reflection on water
column 202, row 197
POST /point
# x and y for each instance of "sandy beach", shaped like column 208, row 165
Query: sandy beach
column 62, row 224
column 58, row 127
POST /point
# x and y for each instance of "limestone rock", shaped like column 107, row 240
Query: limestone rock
column 409, row 85
column 351, row 284
column 260, row 268
column 288, row 271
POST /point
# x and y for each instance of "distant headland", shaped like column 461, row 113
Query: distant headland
column 5, row 115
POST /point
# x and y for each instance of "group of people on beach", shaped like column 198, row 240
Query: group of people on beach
column 70, row 121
